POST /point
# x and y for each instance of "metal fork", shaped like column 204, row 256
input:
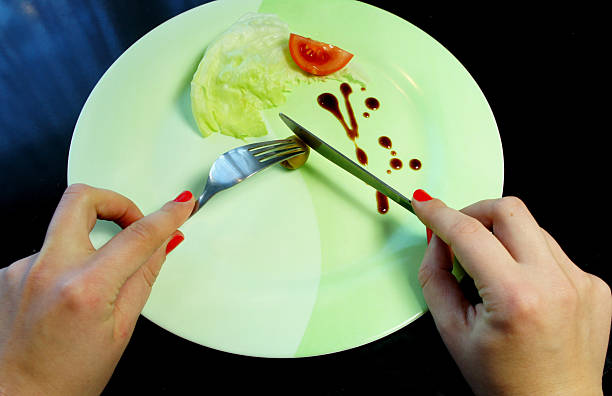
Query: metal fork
column 242, row 162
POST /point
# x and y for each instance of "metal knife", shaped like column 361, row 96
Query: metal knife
column 343, row 162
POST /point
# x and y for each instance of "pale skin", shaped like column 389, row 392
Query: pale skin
column 68, row 312
column 542, row 327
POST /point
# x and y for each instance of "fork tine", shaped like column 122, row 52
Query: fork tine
column 266, row 143
column 271, row 149
column 276, row 153
column 235, row 165
column 281, row 156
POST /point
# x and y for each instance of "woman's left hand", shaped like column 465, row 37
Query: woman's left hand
column 68, row 312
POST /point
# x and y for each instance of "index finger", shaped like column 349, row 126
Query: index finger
column 480, row 253
column 514, row 226
column 120, row 257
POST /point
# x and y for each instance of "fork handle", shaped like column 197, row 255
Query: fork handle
column 206, row 195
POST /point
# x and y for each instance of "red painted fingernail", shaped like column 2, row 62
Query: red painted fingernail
column 429, row 235
column 421, row 196
column 183, row 197
column 174, row 242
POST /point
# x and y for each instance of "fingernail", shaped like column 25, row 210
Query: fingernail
column 429, row 234
column 183, row 197
column 174, row 242
column 421, row 196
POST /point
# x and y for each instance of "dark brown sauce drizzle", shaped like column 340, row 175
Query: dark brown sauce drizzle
column 394, row 153
column 354, row 130
column 330, row 103
column 382, row 202
column 372, row 103
column 415, row 164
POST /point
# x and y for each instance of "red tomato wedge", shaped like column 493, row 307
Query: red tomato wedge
column 316, row 57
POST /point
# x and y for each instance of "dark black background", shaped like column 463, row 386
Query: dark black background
column 541, row 70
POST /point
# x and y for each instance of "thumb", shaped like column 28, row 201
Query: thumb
column 446, row 301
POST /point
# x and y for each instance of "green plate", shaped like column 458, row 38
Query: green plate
column 290, row 263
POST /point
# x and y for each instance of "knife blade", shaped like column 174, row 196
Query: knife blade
column 345, row 163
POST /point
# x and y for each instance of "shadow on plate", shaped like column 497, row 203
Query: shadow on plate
column 183, row 97
column 388, row 224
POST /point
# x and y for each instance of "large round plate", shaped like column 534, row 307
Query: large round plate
column 290, row 263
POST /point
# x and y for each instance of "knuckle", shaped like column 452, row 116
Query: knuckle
column 521, row 308
column 508, row 206
column 464, row 226
column 77, row 189
column 11, row 276
column 149, row 275
column 77, row 296
column 175, row 212
column 424, row 275
column 76, row 193
column 601, row 288
column 72, row 294
column 143, row 233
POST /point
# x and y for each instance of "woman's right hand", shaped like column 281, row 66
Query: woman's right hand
column 543, row 324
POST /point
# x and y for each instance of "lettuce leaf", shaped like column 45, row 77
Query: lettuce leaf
column 245, row 70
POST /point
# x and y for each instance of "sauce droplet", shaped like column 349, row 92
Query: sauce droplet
column 345, row 89
column 362, row 157
column 385, row 142
column 372, row 103
column 396, row 163
column 394, row 153
column 383, row 202
column 415, row 164
column 366, row 114
column 363, row 88
column 330, row 103
column 388, row 171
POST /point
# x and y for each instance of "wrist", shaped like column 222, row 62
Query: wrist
column 565, row 391
column 540, row 387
